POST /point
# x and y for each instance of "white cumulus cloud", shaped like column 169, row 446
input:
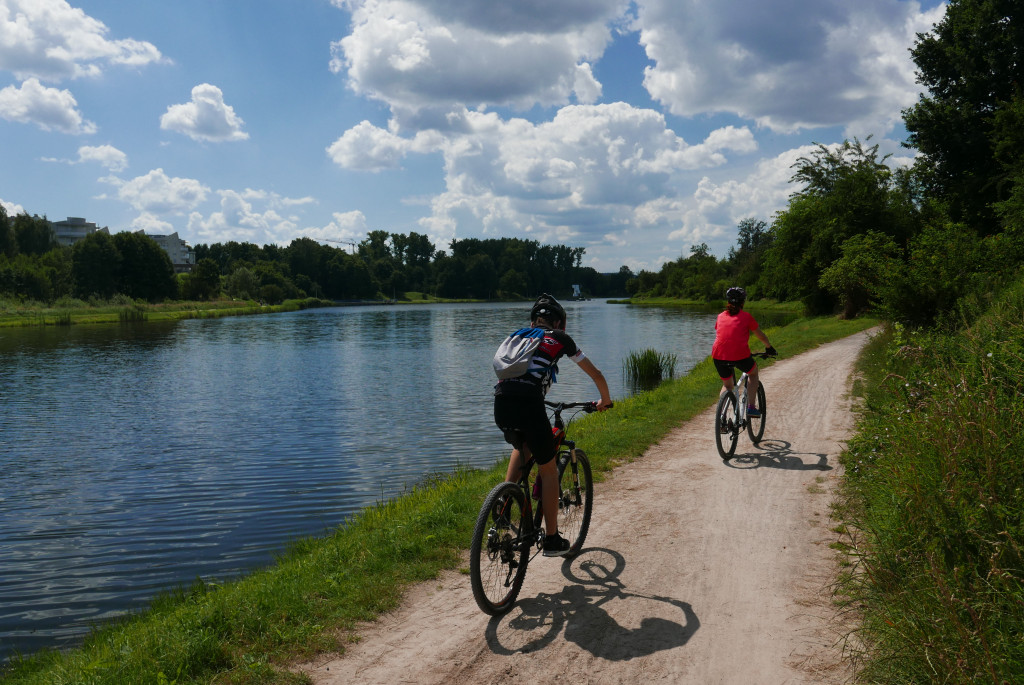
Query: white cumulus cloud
column 158, row 193
column 50, row 109
column 207, row 117
column 51, row 40
column 788, row 66
column 433, row 55
column 107, row 155
column 368, row 148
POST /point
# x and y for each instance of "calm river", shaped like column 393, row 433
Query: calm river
column 140, row 458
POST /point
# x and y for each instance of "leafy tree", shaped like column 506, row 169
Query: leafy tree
column 145, row 269
column 1008, row 127
column 860, row 278
column 375, row 247
column 754, row 238
column 204, row 281
column 242, row 284
column 481, row 276
column 272, row 293
column 512, row 283
column 971, row 65
column 8, row 241
column 95, row 264
column 847, row 191
column 34, row 234
column 946, row 262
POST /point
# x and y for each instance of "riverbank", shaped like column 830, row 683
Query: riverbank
column 71, row 312
column 249, row 630
column 753, row 306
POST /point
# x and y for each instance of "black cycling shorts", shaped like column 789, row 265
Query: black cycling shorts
column 725, row 369
column 526, row 417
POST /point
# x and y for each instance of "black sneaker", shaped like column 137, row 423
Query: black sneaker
column 555, row 545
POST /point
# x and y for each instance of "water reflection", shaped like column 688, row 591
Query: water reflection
column 139, row 458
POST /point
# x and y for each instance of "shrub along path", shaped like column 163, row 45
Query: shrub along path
column 695, row 570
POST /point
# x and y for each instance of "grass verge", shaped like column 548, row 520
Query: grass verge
column 933, row 504
column 250, row 630
column 68, row 312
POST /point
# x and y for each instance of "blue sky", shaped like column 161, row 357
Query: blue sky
column 634, row 130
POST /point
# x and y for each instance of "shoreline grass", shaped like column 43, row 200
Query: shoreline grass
column 250, row 630
column 69, row 312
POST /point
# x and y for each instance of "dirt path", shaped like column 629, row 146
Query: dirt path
column 694, row 571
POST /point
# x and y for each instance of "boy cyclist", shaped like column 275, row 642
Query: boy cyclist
column 731, row 348
column 519, row 406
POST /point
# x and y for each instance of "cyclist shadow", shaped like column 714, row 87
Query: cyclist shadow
column 594, row 574
column 779, row 454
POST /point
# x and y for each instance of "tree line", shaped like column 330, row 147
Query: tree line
column 383, row 266
column 388, row 265
column 926, row 244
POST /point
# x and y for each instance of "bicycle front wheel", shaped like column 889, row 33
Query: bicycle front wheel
column 755, row 425
column 727, row 432
column 500, row 551
column 575, row 500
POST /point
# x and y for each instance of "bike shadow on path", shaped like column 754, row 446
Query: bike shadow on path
column 778, row 454
column 577, row 611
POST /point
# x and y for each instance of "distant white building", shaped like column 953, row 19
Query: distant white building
column 73, row 229
column 183, row 257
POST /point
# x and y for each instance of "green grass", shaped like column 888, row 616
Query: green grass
column 250, row 630
column 121, row 309
column 933, row 506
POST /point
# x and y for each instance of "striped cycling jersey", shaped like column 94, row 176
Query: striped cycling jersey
column 543, row 369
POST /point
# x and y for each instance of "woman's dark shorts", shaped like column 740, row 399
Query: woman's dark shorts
column 526, row 414
column 725, row 369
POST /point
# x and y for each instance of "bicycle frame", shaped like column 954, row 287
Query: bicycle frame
column 565, row 450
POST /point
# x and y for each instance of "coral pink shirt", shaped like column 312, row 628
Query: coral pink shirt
column 732, row 336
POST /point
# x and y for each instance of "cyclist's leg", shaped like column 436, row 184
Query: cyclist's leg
column 725, row 372
column 515, row 463
column 549, row 495
column 513, row 415
column 752, row 384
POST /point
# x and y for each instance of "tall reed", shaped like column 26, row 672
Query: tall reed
column 644, row 370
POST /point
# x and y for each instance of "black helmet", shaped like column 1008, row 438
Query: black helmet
column 735, row 295
column 548, row 307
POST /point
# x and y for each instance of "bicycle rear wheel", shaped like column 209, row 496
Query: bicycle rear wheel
column 500, row 551
column 727, row 432
column 575, row 500
column 755, row 425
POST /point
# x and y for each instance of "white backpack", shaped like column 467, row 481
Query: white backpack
column 513, row 356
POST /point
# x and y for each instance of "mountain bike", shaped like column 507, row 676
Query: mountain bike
column 731, row 415
column 509, row 533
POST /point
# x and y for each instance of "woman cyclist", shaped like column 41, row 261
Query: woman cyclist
column 731, row 348
column 519, row 410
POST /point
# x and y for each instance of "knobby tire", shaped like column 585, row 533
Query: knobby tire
column 575, row 501
column 727, row 433
column 755, row 426
column 502, row 539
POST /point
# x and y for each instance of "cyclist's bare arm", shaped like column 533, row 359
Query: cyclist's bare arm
column 599, row 380
column 762, row 337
